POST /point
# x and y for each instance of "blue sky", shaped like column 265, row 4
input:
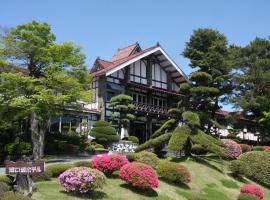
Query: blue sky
column 102, row 26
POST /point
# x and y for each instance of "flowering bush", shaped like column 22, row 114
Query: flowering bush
column 253, row 190
column 245, row 148
column 108, row 163
column 266, row 148
column 139, row 175
column 231, row 148
column 82, row 179
column 173, row 172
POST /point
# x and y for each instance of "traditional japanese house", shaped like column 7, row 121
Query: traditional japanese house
column 149, row 75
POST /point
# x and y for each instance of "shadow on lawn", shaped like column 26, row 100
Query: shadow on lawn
column 95, row 194
column 147, row 193
column 178, row 185
column 204, row 161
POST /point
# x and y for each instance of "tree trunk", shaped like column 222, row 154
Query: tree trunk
column 37, row 136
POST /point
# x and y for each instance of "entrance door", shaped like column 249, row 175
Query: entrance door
column 138, row 129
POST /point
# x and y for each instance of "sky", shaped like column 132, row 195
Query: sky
column 100, row 27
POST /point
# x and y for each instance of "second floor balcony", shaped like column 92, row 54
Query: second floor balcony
column 149, row 108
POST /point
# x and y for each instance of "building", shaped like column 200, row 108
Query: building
column 149, row 75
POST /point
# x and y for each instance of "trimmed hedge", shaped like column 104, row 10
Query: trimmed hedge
column 237, row 168
column 179, row 138
column 83, row 164
column 198, row 150
column 173, row 172
column 148, row 158
column 133, row 139
column 44, row 176
column 258, row 148
column 245, row 196
column 257, row 166
column 245, row 148
column 57, row 169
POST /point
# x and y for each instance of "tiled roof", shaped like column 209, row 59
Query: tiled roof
column 125, row 55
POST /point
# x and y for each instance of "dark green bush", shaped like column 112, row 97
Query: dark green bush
column 133, row 139
column 173, row 172
column 246, row 196
column 17, row 150
column 237, row 168
column 258, row 148
column 57, row 169
column 3, row 188
column 99, row 146
column 167, row 126
column 104, row 133
column 131, row 157
column 83, row 164
column 44, row 176
column 198, row 150
column 5, row 179
column 148, row 158
column 14, row 196
column 257, row 166
column 90, row 148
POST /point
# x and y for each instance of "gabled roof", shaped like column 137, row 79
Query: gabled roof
column 133, row 53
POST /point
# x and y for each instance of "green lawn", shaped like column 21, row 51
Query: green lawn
column 207, row 180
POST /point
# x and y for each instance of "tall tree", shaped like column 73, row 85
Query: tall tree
column 57, row 74
column 252, row 78
column 211, row 83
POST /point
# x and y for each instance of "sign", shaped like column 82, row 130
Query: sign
column 124, row 147
column 22, row 167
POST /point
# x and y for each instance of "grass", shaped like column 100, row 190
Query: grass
column 207, row 181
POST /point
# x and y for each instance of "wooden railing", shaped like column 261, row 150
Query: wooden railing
column 148, row 108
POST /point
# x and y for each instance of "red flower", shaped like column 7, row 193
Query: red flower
column 253, row 190
column 266, row 148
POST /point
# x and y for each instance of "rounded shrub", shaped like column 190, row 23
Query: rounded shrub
column 104, row 133
column 99, row 146
column 148, row 158
column 82, row 179
column 133, row 139
column 258, row 148
column 57, row 169
column 3, row 188
column 83, row 164
column 5, row 179
column 266, row 148
column 257, row 166
column 44, row 176
column 198, row 150
column 245, row 148
column 245, row 196
column 131, row 157
column 14, row 196
column 237, row 168
column 139, row 175
column 253, row 190
column 108, row 163
column 173, row 172
column 231, row 148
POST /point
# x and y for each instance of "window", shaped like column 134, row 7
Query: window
column 160, row 102
column 159, row 76
column 140, row 98
column 138, row 72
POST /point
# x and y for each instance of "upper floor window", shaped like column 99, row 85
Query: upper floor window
column 138, row 72
column 159, row 76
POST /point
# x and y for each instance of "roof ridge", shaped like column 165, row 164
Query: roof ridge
column 136, row 43
column 104, row 60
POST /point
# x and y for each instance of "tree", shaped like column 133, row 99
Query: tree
column 57, row 76
column 104, row 133
column 122, row 107
column 211, row 83
column 252, row 78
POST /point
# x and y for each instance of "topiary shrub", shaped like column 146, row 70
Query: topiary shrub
column 44, row 176
column 104, row 133
column 3, row 188
column 237, row 168
column 57, row 169
column 82, row 179
column 253, row 190
column 99, row 146
column 231, row 148
column 139, row 175
column 14, row 196
column 83, row 164
column 173, row 172
column 246, row 196
column 108, row 163
column 148, row 158
column 257, row 166
column 198, row 150
column 258, row 148
column 131, row 157
column 133, row 139
column 245, row 148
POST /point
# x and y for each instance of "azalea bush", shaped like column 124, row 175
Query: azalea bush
column 108, row 163
column 231, row 148
column 266, row 148
column 139, row 175
column 82, row 179
column 252, row 190
column 173, row 172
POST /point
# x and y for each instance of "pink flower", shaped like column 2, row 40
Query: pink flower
column 253, row 190
column 139, row 175
column 266, row 148
column 232, row 149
